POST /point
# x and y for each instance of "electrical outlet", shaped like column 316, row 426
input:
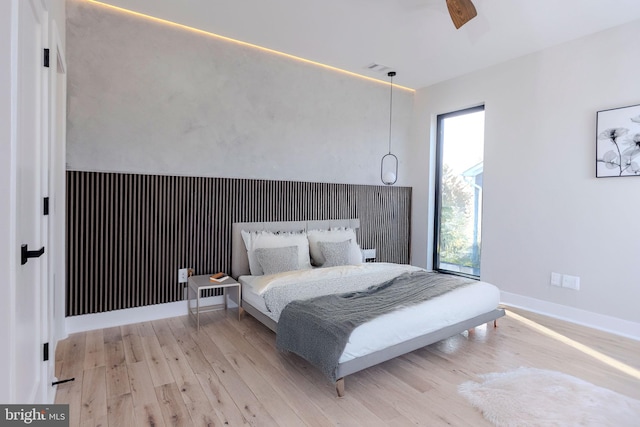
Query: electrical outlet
column 571, row 282
column 183, row 275
column 368, row 254
column 556, row 279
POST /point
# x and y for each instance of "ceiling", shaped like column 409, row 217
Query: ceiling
column 416, row 38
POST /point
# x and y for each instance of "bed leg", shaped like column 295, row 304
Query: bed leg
column 340, row 387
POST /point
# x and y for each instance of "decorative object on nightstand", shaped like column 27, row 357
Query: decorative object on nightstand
column 389, row 162
column 218, row 277
column 199, row 284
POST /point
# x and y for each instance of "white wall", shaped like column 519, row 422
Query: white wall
column 544, row 210
column 57, row 13
column 155, row 99
column 7, row 196
column 145, row 97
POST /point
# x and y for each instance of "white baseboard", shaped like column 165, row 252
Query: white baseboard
column 601, row 322
column 88, row 322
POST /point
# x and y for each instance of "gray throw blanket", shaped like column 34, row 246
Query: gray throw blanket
column 318, row 329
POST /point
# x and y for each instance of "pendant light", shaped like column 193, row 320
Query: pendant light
column 389, row 162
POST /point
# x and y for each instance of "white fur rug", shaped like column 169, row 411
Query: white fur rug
column 536, row 397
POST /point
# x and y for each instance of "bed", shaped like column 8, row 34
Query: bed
column 266, row 294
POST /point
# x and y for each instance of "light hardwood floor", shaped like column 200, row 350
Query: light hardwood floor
column 229, row 373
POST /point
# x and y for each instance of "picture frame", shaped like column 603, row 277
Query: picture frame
column 618, row 142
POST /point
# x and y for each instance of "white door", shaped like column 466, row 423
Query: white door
column 55, row 221
column 29, row 386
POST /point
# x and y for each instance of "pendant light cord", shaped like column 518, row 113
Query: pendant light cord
column 390, row 74
column 389, row 177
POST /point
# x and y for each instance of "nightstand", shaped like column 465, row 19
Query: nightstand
column 198, row 284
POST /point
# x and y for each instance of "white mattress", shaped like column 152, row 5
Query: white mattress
column 250, row 296
column 404, row 324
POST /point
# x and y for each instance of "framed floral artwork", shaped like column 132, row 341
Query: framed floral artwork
column 618, row 142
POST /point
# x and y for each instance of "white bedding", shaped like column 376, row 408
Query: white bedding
column 381, row 332
column 278, row 290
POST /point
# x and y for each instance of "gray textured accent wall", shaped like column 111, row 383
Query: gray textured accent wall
column 172, row 135
column 145, row 97
column 128, row 234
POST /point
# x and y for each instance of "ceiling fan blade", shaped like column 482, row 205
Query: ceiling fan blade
column 461, row 11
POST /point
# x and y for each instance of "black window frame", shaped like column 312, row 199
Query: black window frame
column 438, row 178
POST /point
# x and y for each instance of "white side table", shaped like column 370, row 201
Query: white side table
column 198, row 284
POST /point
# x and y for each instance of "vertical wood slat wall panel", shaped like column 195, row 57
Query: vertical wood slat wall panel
column 127, row 235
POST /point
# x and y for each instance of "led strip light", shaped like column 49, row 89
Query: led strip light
column 228, row 39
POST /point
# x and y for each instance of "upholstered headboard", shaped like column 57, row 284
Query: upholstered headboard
column 239, row 259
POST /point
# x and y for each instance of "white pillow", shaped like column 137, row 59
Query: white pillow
column 333, row 235
column 266, row 239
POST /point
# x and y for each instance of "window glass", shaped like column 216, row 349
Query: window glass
column 459, row 172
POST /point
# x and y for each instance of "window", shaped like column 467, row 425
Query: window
column 459, row 170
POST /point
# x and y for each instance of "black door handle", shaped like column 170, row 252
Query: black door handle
column 26, row 254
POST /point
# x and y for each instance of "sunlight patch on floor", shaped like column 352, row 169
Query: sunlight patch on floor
column 578, row 346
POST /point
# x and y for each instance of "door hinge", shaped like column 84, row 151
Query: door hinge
column 46, row 58
column 45, row 206
column 45, row 352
